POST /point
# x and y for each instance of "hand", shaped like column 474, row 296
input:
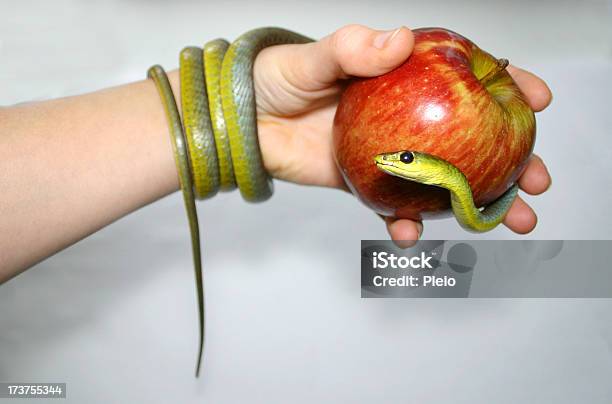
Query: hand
column 298, row 87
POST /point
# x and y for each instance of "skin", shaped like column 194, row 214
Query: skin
column 63, row 162
column 313, row 89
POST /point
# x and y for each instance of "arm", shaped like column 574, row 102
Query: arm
column 74, row 165
column 71, row 166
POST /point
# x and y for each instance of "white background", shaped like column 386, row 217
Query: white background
column 115, row 315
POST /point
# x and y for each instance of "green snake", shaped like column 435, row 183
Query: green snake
column 216, row 146
column 431, row 170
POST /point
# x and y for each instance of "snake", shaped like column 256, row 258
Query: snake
column 216, row 146
column 215, row 140
column 427, row 169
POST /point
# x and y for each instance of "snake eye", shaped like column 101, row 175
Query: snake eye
column 406, row 157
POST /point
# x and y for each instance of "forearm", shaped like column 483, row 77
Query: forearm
column 71, row 166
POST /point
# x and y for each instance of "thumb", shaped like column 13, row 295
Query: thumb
column 353, row 50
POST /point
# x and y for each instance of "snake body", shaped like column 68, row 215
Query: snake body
column 216, row 145
column 431, row 170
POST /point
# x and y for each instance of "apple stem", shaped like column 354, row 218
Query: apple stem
column 501, row 66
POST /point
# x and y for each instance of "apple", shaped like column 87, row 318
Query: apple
column 449, row 99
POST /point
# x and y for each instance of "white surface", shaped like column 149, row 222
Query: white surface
column 115, row 315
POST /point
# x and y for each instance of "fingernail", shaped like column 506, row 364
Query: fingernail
column 384, row 38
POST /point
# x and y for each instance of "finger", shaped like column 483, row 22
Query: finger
column 535, row 179
column 521, row 218
column 353, row 50
column 535, row 89
column 404, row 233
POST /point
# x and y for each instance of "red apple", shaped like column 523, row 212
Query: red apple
column 449, row 99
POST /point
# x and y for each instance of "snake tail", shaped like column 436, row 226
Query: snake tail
column 216, row 144
column 159, row 77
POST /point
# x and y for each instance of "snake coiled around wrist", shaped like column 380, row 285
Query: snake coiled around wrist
column 215, row 144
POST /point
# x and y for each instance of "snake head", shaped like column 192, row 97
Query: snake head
column 414, row 166
column 396, row 163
